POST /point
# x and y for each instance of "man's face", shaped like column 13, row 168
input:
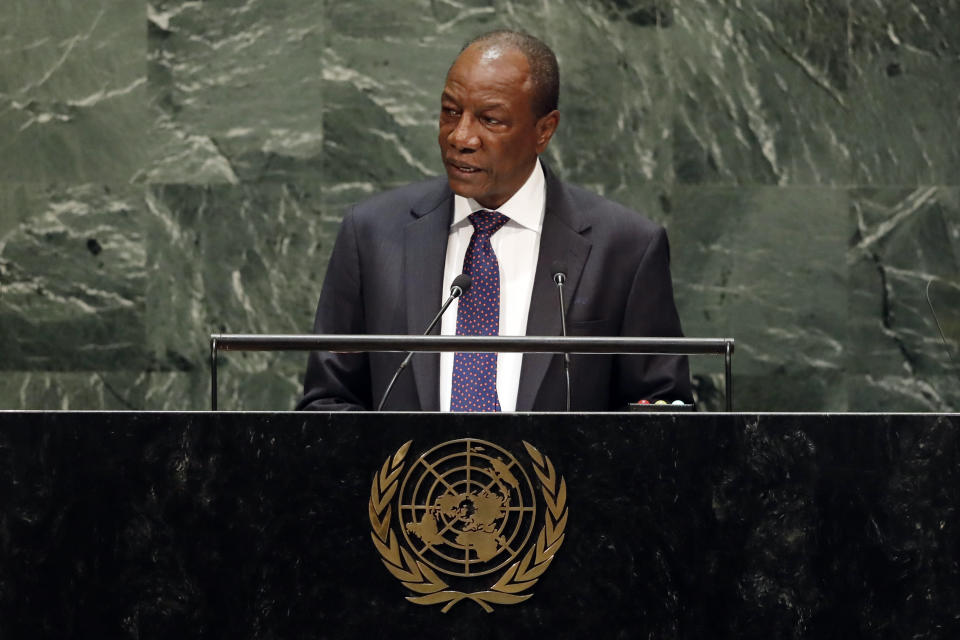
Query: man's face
column 489, row 135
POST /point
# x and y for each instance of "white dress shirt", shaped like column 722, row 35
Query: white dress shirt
column 516, row 245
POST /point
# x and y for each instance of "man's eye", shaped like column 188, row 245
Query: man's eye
column 492, row 121
column 453, row 113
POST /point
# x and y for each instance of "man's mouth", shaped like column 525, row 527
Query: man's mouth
column 462, row 168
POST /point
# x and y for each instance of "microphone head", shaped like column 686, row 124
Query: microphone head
column 559, row 269
column 461, row 284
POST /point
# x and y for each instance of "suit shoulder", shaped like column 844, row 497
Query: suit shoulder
column 608, row 216
column 397, row 204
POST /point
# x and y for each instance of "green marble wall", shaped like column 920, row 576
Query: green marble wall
column 177, row 168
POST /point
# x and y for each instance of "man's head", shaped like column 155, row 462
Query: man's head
column 498, row 111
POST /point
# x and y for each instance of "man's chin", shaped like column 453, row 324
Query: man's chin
column 465, row 187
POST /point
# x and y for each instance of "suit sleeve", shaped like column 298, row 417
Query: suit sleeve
column 651, row 311
column 339, row 381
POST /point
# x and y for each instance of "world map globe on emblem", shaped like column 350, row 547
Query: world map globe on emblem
column 467, row 507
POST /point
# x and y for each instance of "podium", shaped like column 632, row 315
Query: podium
column 261, row 525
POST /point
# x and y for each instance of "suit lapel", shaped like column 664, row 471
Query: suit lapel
column 560, row 242
column 425, row 247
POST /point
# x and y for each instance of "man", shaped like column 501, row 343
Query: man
column 503, row 217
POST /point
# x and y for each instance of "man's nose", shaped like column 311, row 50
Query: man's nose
column 464, row 136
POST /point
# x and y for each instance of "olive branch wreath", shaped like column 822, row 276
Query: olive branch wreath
column 420, row 578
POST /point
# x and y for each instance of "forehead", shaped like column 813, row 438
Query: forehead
column 491, row 72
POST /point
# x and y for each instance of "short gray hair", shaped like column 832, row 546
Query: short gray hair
column 544, row 70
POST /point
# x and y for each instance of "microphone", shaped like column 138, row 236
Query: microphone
column 560, row 278
column 461, row 284
column 943, row 338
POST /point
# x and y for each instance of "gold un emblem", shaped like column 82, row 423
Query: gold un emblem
column 467, row 510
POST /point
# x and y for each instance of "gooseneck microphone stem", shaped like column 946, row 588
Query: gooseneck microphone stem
column 943, row 338
column 461, row 284
column 560, row 278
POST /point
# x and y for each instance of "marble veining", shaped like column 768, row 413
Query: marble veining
column 198, row 525
column 172, row 168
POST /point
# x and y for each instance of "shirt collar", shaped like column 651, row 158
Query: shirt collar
column 525, row 207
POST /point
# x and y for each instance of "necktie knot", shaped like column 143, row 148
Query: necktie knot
column 487, row 222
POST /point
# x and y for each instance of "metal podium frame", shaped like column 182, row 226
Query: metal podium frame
column 478, row 344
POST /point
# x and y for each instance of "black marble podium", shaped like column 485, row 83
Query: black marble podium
column 255, row 525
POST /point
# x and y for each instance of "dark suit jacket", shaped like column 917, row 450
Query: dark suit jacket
column 385, row 277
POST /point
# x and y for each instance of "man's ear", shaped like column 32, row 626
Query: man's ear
column 546, row 126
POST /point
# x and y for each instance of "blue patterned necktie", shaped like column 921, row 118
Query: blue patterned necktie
column 474, row 386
